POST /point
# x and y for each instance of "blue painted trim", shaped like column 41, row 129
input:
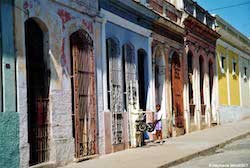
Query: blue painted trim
column 8, row 56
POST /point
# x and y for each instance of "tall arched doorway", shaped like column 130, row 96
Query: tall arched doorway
column 211, row 81
column 115, row 93
column 129, row 77
column 142, row 55
column 202, row 101
column 177, row 93
column 84, row 94
column 38, row 82
column 190, row 90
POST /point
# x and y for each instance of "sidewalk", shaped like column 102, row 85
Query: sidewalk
column 173, row 151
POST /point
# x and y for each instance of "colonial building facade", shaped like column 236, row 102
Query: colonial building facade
column 57, row 46
column 127, row 86
column 167, row 66
column 80, row 72
column 200, row 75
column 233, row 54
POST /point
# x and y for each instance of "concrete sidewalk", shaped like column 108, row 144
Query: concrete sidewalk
column 173, row 151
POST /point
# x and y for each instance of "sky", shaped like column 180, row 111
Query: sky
column 238, row 17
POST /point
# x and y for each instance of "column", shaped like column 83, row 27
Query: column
column 228, row 77
column 186, row 92
column 150, row 94
column 104, row 66
column 197, row 94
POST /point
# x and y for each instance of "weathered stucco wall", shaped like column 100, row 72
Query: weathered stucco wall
column 245, row 81
column 233, row 86
column 9, row 139
column 222, row 75
column 234, row 79
column 58, row 19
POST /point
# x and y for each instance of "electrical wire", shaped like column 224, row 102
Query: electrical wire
column 231, row 6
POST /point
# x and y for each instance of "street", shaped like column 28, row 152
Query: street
column 236, row 154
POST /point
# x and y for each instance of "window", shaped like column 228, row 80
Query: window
column 234, row 67
column 165, row 10
column 245, row 73
column 223, row 61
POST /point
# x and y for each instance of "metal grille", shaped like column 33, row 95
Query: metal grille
column 115, row 70
column 84, row 94
column 39, row 131
column 38, row 80
column 130, row 76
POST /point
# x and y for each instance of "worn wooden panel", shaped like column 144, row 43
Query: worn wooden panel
column 84, row 94
column 177, row 91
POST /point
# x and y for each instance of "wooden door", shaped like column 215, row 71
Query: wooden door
column 177, row 91
column 84, row 112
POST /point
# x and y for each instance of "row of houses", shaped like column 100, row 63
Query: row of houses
column 76, row 74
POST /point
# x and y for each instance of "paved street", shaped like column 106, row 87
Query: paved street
column 236, row 154
column 174, row 150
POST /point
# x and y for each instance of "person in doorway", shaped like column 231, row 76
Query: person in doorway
column 158, row 127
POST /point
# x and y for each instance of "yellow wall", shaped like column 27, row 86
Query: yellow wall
column 222, row 79
column 234, row 79
column 234, row 86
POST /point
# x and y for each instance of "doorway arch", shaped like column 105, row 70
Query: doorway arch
column 177, row 91
column 202, row 72
column 211, row 80
column 38, row 83
column 84, row 94
column 142, row 64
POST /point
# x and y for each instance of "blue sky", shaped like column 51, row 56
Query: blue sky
column 238, row 17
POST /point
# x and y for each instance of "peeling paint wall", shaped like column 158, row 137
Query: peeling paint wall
column 245, row 81
column 9, row 136
column 9, row 118
column 59, row 19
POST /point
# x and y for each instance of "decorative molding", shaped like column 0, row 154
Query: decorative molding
column 115, row 19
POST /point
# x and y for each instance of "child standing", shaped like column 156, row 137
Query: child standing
column 158, row 127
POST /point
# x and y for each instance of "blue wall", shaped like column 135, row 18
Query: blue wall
column 138, row 41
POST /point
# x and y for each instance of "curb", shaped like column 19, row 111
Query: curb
column 204, row 152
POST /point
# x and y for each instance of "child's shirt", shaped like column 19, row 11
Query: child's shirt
column 158, row 117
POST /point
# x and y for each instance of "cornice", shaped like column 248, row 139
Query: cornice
column 235, row 42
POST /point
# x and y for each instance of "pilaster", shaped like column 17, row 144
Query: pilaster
column 9, row 118
column 150, row 99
